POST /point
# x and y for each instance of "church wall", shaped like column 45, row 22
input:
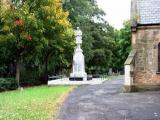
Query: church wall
column 145, row 41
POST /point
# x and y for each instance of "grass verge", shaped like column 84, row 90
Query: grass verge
column 37, row 103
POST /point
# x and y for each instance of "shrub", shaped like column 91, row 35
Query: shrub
column 30, row 78
column 8, row 84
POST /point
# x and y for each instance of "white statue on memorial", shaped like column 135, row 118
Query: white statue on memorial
column 78, row 72
column 78, row 35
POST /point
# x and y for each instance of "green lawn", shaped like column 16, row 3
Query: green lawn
column 38, row 103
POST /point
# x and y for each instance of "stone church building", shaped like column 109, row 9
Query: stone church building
column 142, row 68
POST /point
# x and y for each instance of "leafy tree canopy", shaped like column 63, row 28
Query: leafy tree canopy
column 38, row 33
column 98, row 40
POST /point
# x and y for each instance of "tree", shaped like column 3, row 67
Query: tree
column 102, row 47
column 38, row 34
column 22, row 33
column 123, row 46
column 58, row 35
column 97, row 38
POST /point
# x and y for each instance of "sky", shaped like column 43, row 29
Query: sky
column 117, row 11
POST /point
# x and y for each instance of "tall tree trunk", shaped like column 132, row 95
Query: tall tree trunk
column 46, row 66
column 46, row 71
column 18, row 73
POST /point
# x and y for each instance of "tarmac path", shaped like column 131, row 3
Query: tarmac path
column 108, row 102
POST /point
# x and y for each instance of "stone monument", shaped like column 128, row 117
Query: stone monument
column 78, row 68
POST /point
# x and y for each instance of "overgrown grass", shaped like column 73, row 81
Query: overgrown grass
column 38, row 103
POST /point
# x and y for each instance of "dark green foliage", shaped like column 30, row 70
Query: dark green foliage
column 44, row 44
column 98, row 40
column 123, row 46
column 35, row 39
column 8, row 84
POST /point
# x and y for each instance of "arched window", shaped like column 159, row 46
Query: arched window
column 159, row 57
